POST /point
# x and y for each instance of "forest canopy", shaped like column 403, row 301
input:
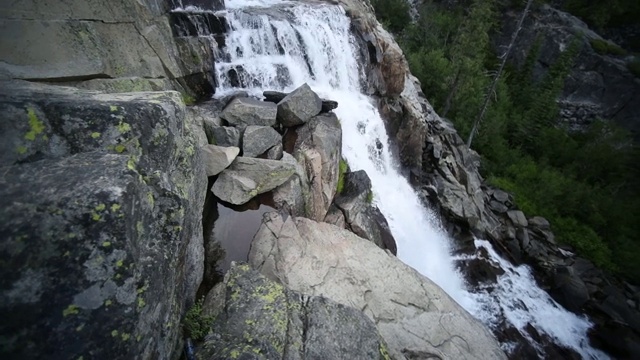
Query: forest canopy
column 583, row 182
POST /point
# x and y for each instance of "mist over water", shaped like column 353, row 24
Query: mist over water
column 281, row 45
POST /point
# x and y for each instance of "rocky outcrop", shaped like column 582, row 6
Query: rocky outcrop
column 600, row 85
column 415, row 317
column 101, row 234
column 259, row 318
column 104, row 42
column 248, row 177
column 317, row 148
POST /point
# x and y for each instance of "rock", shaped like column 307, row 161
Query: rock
column 498, row 207
column 569, row 290
column 317, row 149
column 101, row 224
column 290, row 196
column 335, row 216
column 273, row 96
column 259, row 318
column 226, row 136
column 276, row 152
column 217, row 158
column 247, row 111
column 328, row 105
column 500, row 196
column 362, row 218
column 115, row 40
column 517, row 218
column 258, row 139
column 299, row 106
column 539, row 222
column 393, row 68
column 248, row 177
column 411, row 312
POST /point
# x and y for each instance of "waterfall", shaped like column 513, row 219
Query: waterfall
column 277, row 45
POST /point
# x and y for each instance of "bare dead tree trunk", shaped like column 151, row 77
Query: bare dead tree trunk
column 454, row 89
column 497, row 77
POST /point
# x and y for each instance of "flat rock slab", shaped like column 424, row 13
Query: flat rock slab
column 299, row 106
column 258, row 139
column 248, row 111
column 217, row 158
column 257, row 318
column 413, row 315
column 248, row 177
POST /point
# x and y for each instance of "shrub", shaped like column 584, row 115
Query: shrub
column 343, row 167
column 604, row 47
column 195, row 324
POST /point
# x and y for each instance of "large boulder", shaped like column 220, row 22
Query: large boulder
column 259, row 318
column 258, row 139
column 414, row 316
column 101, row 232
column 249, row 177
column 225, row 136
column 247, row 111
column 299, row 106
column 317, row 149
column 217, row 158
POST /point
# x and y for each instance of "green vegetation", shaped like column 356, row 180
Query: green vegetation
column 188, row 99
column 582, row 182
column 343, row 167
column 370, row 197
column 195, row 324
column 605, row 47
column 605, row 13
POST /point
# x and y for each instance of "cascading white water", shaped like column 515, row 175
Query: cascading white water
column 279, row 46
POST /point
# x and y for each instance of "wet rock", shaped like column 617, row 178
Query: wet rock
column 299, row 106
column 101, row 230
column 569, row 290
column 328, row 105
column 393, row 68
column 317, row 149
column 362, row 218
column 259, row 318
column 217, row 158
column 225, row 136
column 409, row 310
column 247, row 111
column 273, row 96
column 258, row 139
column 249, row 177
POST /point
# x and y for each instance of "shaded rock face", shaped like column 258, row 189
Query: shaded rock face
column 248, row 177
column 104, row 42
column 317, row 149
column 361, row 217
column 257, row 317
column 599, row 85
column 100, row 226
column 258, row 139
column 413, row 315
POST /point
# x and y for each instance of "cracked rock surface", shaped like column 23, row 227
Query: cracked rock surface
column 414, row 316
column 257, row 318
